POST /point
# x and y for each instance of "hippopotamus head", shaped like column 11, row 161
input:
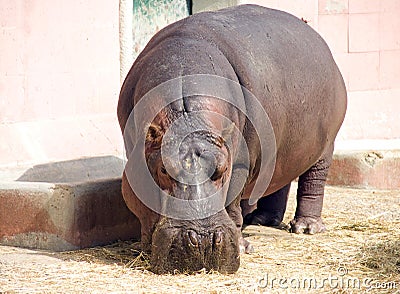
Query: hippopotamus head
column 196, row 167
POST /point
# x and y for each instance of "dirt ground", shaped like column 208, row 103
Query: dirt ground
column 360, row 253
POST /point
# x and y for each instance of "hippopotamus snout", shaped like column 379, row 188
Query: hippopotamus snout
column 190, row 246
column 213, row 239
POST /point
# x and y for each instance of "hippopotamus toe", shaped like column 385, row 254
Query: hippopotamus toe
column 307, row 225
column 245, row 246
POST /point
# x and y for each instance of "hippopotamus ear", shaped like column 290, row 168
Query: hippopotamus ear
column 154, row 137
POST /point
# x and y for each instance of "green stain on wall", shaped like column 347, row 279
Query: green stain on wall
column 150, row 16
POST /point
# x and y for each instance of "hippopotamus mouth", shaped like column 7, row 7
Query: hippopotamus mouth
column 190, row 246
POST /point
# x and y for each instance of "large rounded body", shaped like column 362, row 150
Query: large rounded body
column 280, row 59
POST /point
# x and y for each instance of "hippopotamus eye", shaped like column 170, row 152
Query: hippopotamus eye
column 163, row 170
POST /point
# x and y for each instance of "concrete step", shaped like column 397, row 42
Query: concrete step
column 368, row 164
column 65, row 205
column 370, row 169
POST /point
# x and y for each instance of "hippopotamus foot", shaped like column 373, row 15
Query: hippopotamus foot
column 270, row 210
column 307, row 225
column 310, row 196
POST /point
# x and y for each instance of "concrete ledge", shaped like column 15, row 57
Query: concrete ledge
column 375, row 168
column 63, row 215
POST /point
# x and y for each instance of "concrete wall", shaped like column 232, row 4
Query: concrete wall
column 59, row 79
column 150, row 16
column 59, row 72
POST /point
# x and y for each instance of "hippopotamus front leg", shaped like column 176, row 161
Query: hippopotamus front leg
column 235, row 213
column 310, row 195
column 148, row 218
column 234, row 209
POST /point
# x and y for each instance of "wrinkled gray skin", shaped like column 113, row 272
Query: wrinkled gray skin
column 290, row 69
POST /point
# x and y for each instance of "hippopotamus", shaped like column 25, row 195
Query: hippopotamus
column 241, row 74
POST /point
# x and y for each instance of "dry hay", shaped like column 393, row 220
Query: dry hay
column 362, row 245
column 125, row 253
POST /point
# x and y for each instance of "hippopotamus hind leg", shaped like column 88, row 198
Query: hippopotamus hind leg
column 310, row 195
column 270, row 210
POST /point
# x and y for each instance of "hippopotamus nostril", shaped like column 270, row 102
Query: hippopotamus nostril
column 218, row 238
column 193, row 238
